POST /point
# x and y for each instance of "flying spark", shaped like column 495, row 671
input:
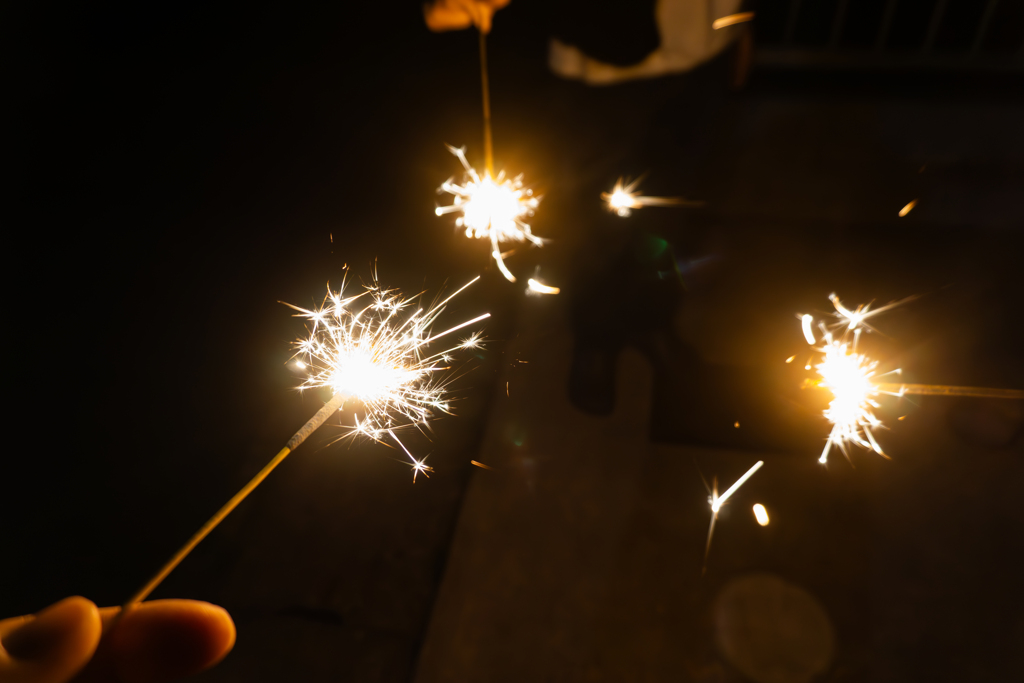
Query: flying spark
column 624, row 198
column 542, row 288
column 908, row 208
column 489, row 208
column 373, row 347
column 851, row 377
column 732, row 19
column 717, row 501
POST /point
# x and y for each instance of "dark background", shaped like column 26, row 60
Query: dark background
column 176, row 170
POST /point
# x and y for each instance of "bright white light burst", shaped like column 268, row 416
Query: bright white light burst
column 491, row 208
column 850, row 376
column 373, row 347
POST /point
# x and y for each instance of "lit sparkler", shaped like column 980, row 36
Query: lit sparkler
column 852, row 379
column 848, row 375
column 368, row 348
column 624, row 198
column 489, row 208
column 717, row 501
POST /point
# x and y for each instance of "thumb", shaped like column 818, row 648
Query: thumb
column 51, row 646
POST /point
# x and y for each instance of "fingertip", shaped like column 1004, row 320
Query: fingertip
column 57, row 642
column 168, row 639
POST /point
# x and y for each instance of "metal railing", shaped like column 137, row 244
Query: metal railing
column 892, row 33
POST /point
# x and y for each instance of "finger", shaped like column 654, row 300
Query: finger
column 51, row 646
column 441, row 16
column 484, row 15
column 162, row 640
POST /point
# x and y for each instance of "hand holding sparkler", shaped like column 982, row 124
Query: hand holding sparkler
column 491, row 207
column 453, row 15
column 163, row 640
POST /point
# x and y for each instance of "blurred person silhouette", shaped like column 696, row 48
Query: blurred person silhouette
column 153, row 642
column 683, row 36
column 620, row 48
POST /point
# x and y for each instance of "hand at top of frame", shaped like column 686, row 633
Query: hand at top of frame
column 452, row 15
column 154, row 642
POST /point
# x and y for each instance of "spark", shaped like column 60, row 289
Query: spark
column 541, row 288
column 491, row 208
column 908, row 208
column 849, row 376
column 857, row 318
column 760, row 514
column 717, row 501
column 481, row 465
column 731, row 19
column 373, row 347
column 624, row 198
column 805, row 322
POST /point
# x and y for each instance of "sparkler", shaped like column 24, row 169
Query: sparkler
column 624, row 198
column 491, row 207
column 717, row 502
column 852, row 379
column 849, row 376
column 369, row 349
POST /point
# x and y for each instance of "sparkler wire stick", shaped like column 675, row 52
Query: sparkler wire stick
column 486, row 92
column 314, row 423
column 945, row 390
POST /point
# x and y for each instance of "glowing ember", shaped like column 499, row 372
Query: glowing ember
column 491, row 208
column 539, row 288
column 760, row 514
column 908, row 208
column 372, row 347
column 732, row 19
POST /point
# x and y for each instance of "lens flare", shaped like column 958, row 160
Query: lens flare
column 372, row 346
column 495, row 209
